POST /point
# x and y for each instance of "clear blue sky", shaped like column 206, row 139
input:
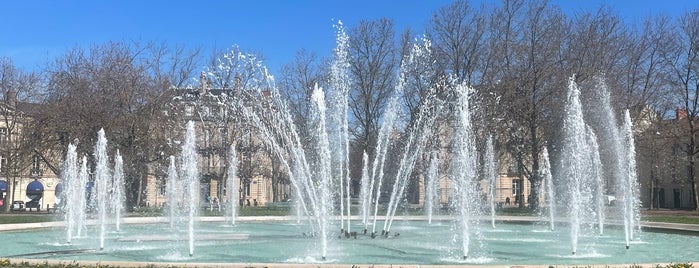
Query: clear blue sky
column 34, row 32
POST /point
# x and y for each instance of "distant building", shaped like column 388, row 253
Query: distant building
column 662, row 162
column 217, row 128
column 23, row 169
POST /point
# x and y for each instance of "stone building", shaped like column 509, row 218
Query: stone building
column 26, row 177
column 218, row 126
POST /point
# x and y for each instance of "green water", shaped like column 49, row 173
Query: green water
column 418, row 243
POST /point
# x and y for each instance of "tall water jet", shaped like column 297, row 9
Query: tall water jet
column 491, row 176
column 102, row 179
column 69, row 176
column 431, row 187
column 421, row 128
column 172, row 191
column 575, row 162
column 611, row 142
column 81, row 195
column 382, row 144
column 338, row 94
column 417, row 138
column 323, row 171
column 548, row 180
column 364, row 194
column 463, row 169
column 118, row 190
column 233, row 187
column 630, row 187
column 190, row 176
column 596, row 173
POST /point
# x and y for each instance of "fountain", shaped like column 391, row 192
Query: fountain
column 233, row 186
column 118, row 190
column 318, row 172
column 172, row 192
column 431, row 190
column 102, row 183
column 190, row 177
column 70, row 177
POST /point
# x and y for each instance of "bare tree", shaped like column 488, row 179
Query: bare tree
column 458, row 31
column 373, row 64
column 109, row 86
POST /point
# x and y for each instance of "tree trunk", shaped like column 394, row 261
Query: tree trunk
column 534, row 179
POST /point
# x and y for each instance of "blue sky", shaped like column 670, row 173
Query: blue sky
column 34, row 32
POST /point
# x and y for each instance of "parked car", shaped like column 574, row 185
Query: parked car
column 17, row 205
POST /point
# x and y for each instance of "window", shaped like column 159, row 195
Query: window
column 3, row 163
column 3, row 134
column 36, row 163
column 162, row 187
column 515, row 187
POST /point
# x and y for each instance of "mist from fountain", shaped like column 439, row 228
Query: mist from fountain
column 190, row 178
column 431, row 197
column 102, row 183
column 233, row 187
column 118, row 190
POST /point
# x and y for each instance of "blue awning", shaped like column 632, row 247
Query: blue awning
column 35, row 187
column 3, row 186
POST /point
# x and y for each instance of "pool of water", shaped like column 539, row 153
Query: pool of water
column 287, row 242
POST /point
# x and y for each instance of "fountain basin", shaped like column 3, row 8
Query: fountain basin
column 280, row 240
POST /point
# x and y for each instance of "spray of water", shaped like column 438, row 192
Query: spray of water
column 190, row 176
column 630, row 187
column 118, row 190
column 463, row 170
column 323, row 167
column 364, row 194
column 173, row 191
column 233, row 186
column 72, row 186
column 432, row 185
column 548, row 180
column 102, row 182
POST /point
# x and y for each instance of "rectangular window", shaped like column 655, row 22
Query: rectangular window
column 3, row 163
column 36, row 163
column 3, row 134
column 163, row 186
column 515, row 187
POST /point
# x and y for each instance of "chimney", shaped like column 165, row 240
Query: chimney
column 203, row 82
column 680, row 114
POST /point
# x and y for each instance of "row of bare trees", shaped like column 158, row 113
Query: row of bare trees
column 517, row 54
